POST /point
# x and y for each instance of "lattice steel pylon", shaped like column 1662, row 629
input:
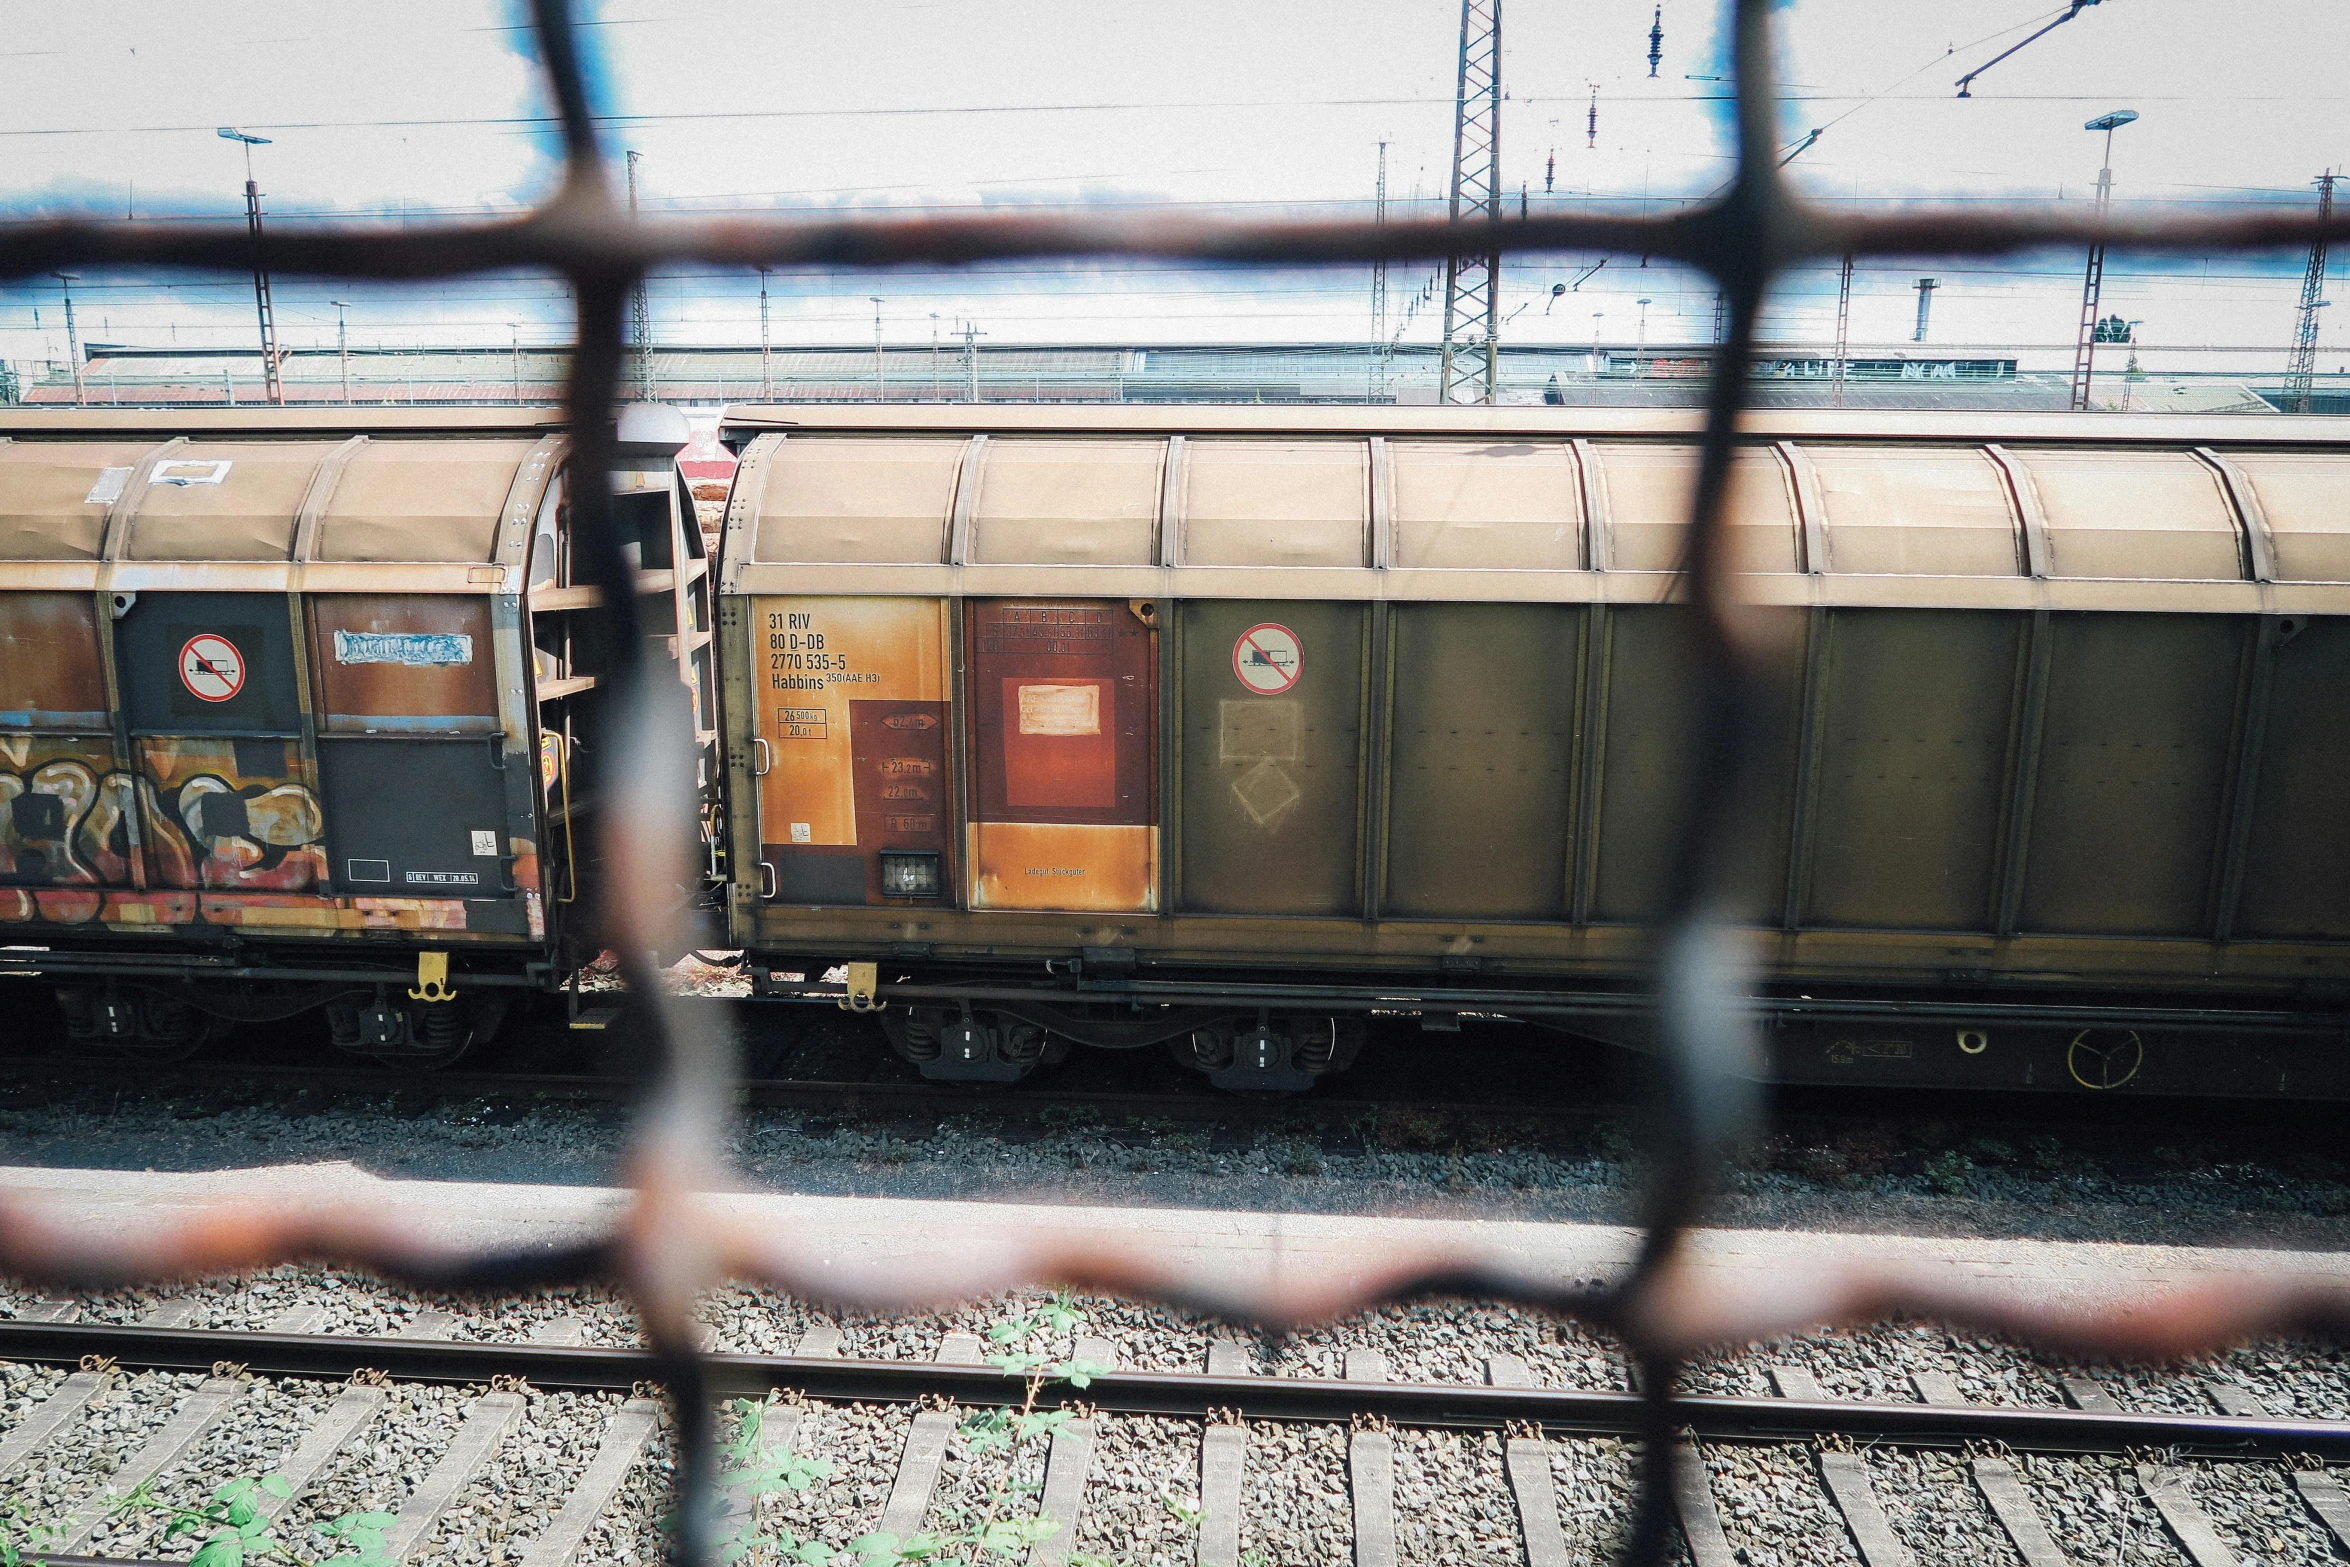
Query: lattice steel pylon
column 1378, row 367
column 2301, row 369
column 640, row 306
column 1472, row 283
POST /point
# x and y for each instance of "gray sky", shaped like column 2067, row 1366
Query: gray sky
column 401, row 112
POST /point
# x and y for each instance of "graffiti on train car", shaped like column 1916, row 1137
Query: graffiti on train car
column 230, row 815
column 66, row 813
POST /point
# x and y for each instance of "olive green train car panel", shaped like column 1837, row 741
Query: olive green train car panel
column 1270, row 777
column 2297, row 854
column 1913, row 740
column 1643, row 739
column 2125, row 816
column 1480, row 770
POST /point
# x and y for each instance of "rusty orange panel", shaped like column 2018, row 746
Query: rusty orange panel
column 1063, row 715
column 49, row 672
column 230, row 815
column 852, row 702
column 404, row 661
column 64, row 813
column 1033, row 865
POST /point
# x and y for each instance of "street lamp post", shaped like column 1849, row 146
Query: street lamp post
column 343, row 343
column 2093, row 277
column 261, row 303
column 73, row 341
column 766, row 351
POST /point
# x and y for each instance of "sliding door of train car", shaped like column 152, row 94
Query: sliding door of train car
column 856, row 803
column 408, row 707
column 211, row 682
column 1063, row 707
column 212, row 697
column 1269, row 770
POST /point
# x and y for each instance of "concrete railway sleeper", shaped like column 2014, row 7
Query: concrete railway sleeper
column 1385, row 1445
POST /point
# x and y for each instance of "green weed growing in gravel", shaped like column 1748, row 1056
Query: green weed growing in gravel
column 748, row 1472
column 1947, row 1172
column 984, row 1533
column 234, row 1532
column 20, row 1535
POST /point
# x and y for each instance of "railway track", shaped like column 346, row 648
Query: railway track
column 1022, row 1102
column 912, row 1460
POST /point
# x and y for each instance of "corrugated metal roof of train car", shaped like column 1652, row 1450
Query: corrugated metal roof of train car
column 277, row 423
column 1555, row 423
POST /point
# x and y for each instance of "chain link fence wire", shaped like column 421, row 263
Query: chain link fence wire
column 668, row 1247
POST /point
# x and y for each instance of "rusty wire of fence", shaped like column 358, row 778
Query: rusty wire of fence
column 667, row 1248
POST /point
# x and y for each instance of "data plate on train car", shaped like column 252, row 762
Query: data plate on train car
column 852, row 699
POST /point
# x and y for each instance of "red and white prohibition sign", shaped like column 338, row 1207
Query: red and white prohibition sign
column 1268, row 659
column 211, row 667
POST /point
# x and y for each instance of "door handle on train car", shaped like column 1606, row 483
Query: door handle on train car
column 766, row 756
column 768, row 884
column 498, row 751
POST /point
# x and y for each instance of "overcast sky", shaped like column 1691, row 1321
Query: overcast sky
column 430, row 108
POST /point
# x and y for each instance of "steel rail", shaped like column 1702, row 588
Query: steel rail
column 944, row 1099
column 1187, row 1395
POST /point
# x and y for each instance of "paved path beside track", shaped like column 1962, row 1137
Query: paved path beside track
column 878, row 1236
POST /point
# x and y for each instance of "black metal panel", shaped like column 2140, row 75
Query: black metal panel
column 2296, row 865
column 415, row 818
column 176, row 681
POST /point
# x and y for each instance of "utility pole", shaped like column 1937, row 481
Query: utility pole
column 936, row 389
column 343, row 343
column 970, row 361
column 880, row 370
column 640, row 306
column 2301, row 369
column 1843, row 331
column 271, row 384
column 1378, row 367
column 514, row 331
column 1926, row 287
column 766, row 350
column 2093, row 279
column 1472, row 284
column 73, row 342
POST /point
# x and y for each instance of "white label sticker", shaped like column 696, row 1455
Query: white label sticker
column 485, row 844
column 185, row 473
column 1060, row 710
column 108, row 489
column 417, row 649
column 801, row 832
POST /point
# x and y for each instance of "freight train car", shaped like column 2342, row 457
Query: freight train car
column 298, row 710
column 1223, row 729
